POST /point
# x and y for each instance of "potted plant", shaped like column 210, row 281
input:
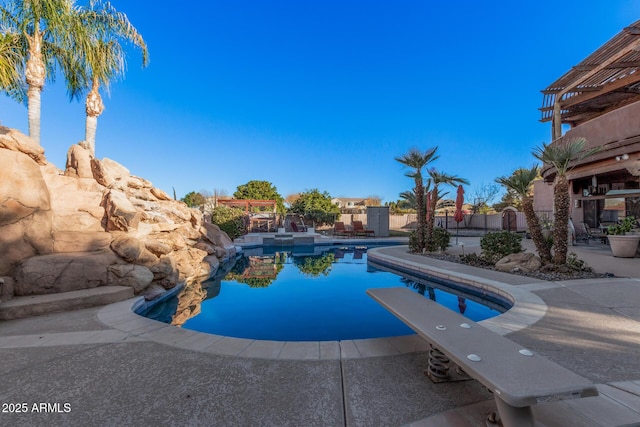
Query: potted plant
column 623, row 245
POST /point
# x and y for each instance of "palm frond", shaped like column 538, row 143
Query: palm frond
column 521, row 181
column 562, row 154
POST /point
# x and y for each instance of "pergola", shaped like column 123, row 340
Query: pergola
column 607, row 79
column 249, row 203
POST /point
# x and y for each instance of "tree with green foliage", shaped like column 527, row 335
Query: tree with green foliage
column 44, row 31
column 521, row 183
column 260, row 190
column 316, row 207
column 562, row 155
column 12, row 67
column 232, row 221
column 193, row 199
column 94, row 63
column 417, row 160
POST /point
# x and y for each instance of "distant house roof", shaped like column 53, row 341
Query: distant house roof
column 607, row 79
column 349, row 202
column 350, row 199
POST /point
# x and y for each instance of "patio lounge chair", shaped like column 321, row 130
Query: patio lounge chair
column 340, row 230
column 359, row 229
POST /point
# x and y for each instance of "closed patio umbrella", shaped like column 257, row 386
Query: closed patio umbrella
column 459, row 216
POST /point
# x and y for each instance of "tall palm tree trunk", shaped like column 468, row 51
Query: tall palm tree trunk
column 33, row 112
column 432, row 215
column 561, row 220
column 90, row 126
column 94, row 107
column 35, row 77
column 420, row 209
column 544, row 251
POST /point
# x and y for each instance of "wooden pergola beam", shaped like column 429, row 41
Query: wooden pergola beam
column 614, row 58
column 598, row 91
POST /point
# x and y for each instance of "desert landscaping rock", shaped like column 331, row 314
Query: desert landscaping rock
column 523, row 261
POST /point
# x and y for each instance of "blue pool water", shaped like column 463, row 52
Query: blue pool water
column 286, row 296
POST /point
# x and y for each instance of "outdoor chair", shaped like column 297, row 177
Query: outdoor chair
column 340, row 230
column 583, row 234
column 359, row 229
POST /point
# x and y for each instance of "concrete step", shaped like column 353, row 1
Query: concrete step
column 36, row 305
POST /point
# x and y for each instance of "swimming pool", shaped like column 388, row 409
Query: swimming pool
column 312, row 294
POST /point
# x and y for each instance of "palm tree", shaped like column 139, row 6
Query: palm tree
column 560, row 155
column 436, row 178
column 43, row 27
column 521, row 183
column 417, row 160
column 97, row 58
column 11, row 67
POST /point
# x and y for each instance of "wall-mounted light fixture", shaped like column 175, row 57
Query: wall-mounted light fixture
column 594, row 181
column 625, row 156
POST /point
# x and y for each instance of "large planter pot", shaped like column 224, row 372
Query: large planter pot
column 625, row 245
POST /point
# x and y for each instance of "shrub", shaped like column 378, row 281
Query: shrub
column 230, row 220
column 577, row 264
column 439, row 240
column 414, row 245
column 498, row 245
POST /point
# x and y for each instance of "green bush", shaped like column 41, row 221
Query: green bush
column 439, row 240
column 577, row 264
column 413, row 242
column 230, row 220
column 498, row 245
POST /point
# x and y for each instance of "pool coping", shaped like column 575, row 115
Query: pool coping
column 527, row 309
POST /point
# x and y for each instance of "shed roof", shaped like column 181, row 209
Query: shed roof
column 607, row 79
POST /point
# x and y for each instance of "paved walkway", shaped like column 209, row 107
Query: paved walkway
column 104, row 366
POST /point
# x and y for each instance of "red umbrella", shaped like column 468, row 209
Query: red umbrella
column 459, row 216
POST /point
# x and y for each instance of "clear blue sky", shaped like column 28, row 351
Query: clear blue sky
column 325, row 94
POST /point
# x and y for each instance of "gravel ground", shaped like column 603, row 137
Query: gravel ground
column 550, row 273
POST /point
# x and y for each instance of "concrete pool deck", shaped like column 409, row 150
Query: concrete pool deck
column 115, row 368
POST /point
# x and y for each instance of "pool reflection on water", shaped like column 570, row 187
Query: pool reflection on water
column 306, row 295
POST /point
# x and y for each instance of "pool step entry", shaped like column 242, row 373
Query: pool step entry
column 287, row 239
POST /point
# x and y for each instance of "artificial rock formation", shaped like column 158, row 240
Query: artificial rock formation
column 94, row 224
column 525, row 262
